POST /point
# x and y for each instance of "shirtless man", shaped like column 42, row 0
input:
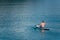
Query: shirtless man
column 42, row 25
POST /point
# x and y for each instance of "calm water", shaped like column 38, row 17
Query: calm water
column 18, row 17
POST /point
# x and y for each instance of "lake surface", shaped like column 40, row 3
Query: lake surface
column 17, row 19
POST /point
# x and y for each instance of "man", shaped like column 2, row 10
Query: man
column 42, row 25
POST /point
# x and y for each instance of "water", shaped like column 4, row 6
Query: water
column 18, row 17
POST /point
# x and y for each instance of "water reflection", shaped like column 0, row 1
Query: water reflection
column 42, row 30
column 42, row 34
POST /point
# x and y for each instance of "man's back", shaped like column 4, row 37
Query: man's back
column 42, row 24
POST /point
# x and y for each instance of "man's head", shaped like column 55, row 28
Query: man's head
column 42, row 21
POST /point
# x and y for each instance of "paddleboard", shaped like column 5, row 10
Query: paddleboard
column 42, row 29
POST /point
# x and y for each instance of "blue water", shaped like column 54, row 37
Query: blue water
column 17, row 19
